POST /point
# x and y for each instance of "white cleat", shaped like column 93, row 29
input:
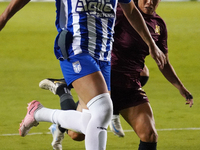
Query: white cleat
column 57, row 137
column 51, row 84
column 116, row 127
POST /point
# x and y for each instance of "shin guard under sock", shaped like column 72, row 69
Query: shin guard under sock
column 101, row 109
column 66, row 101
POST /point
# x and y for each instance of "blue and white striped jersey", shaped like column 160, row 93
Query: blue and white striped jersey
column 91, row 23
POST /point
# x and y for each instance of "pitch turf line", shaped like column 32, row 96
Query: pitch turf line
column 170, row 129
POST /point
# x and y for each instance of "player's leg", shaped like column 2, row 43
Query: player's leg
column 60, row 88
column 115, row 125
column 141, row 119
column 69, row 119
column 93, row 124
column 100, row 106
column 92, row 87
column 74, row 135
column 133, row 105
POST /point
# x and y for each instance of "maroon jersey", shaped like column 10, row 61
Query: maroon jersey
column 129, row 50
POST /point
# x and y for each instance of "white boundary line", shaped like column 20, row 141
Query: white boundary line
column 170, row 129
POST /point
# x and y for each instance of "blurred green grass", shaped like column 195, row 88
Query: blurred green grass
column 27, row 57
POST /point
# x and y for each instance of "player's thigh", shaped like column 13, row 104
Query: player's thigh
column 141, row 119
column 81, row 105
column 90, row 86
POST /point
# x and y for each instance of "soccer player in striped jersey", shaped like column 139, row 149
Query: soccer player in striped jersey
column 127, row 68
column 83, row 47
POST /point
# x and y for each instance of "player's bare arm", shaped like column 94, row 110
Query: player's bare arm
column 138, row 23
column 170, row 74
column 13, row 7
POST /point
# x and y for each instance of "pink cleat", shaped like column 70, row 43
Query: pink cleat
column 29, row 120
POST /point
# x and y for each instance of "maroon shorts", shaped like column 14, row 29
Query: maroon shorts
column 127, row 97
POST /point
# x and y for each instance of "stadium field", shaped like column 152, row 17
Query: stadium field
column 27, row 57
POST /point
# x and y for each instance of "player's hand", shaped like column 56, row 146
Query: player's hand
column 188, row 96
column 189, row 100
column 158, row 56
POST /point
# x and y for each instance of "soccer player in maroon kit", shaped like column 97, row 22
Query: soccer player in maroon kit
column 128, row 54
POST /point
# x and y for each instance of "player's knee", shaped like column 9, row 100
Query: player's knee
column 149, row 136
column 153, row 137
column 76, row 136
column 101, row 108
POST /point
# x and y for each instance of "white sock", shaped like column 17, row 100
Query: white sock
column 69, row 119
column 74, row 120
column 86, row 116
column 44, row 115
column 101, row 111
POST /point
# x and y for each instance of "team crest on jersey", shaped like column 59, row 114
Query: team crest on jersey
column 98, row 8
column 157, row 30
column 76, row 66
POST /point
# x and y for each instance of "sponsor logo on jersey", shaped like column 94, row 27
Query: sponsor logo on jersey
column 97, row 8
column 157, row 29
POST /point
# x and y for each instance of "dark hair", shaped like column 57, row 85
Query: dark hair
column 135, row 1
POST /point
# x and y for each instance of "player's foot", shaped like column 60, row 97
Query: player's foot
column 29, row 120
column 116, row 127
column 51, row 84
column 57, row 137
